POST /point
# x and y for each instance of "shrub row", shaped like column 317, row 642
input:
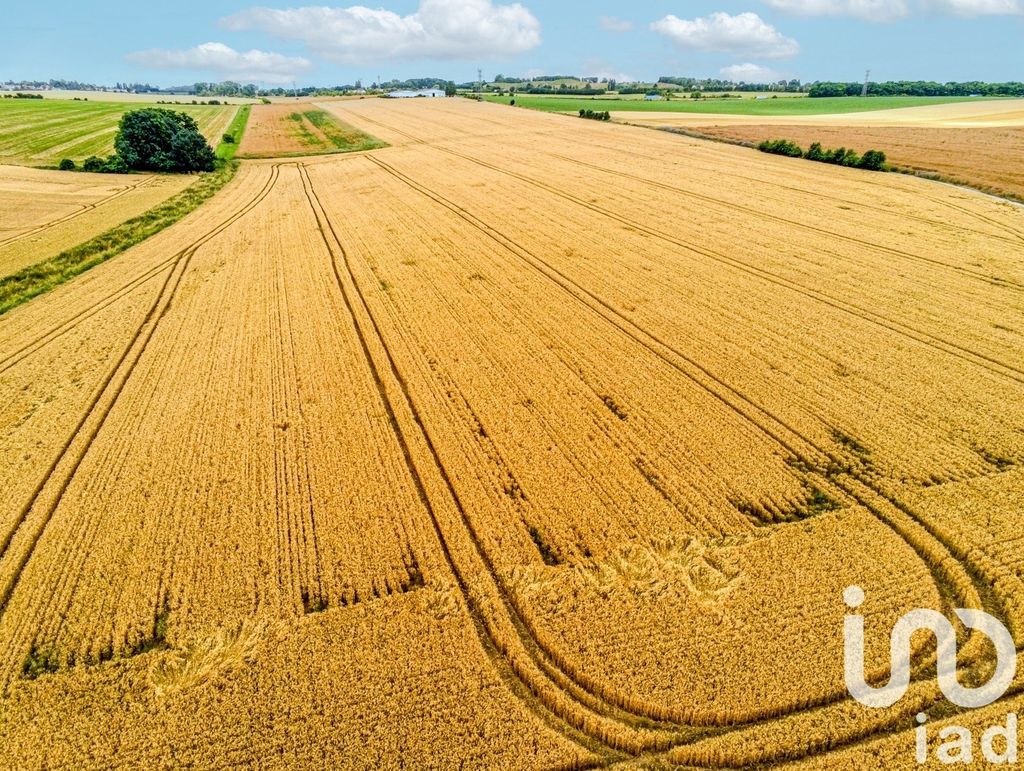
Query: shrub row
column 872, row 160
column 592, row 115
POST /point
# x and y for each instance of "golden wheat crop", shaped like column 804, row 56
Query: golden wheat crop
column 527, row 441
column 44, row 212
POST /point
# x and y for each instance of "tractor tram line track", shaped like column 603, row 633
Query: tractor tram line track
column 984, row 277
column 999, row 368
column 1014, row 237
column 1006, row 371
column 104, row 400
column 851, row 489
column 147, row 275
column 369, row 334
column 87, row 207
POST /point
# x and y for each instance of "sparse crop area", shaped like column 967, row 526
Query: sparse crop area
column 298, row 129
column 523, row 441
column 42, row 132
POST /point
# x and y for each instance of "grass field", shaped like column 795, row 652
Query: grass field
column 544, row 443
column 40, row 132
column 780, row 106
column 227, row 150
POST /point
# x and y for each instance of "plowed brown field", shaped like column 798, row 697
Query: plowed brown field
column 298, row 128
column 525, row 442
column 986, row 158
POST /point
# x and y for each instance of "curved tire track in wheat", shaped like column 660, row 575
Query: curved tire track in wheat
column 912, row 531
column 104, row 400
column 148, row 275
column 74, row 215
column 583, row 691
column 492, row 638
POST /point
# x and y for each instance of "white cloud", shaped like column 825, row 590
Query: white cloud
column 870, row 10
column 750, row 73
column 440, row 29
column 976, row 7
column 226, row 62
column 598, row 68
column 745, row 33
column 892, row 10
column 611, row 24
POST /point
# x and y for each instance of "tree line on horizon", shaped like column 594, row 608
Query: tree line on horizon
column 917, row 88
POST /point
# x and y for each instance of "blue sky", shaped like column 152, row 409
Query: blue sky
column 189, row 40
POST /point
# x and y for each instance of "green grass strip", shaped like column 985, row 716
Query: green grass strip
column 344, row 137
column 226, row 150
column 40, row 278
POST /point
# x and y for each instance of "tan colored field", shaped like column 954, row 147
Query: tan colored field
column 995, row 113
column 297, row 129
column 44, row 212
column 986, row 158
column 110, row 96
column 525, row 442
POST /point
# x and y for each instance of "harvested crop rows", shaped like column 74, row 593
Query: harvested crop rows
column 523, row 412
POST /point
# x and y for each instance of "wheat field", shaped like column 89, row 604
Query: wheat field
column 526, row 441
column 43, row 212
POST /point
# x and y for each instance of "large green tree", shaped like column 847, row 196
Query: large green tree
column 162, row 140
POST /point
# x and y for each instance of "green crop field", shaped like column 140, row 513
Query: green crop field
column 780, row 106
column 39, row 132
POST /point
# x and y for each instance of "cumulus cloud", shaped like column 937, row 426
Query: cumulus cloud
column 226, row 62
column 892, row 10
column 439, row 29
column 871, row 10
column 611, row 24
column 751, row 73
column 745, row 33
column 976, row 7
column 598, row 68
